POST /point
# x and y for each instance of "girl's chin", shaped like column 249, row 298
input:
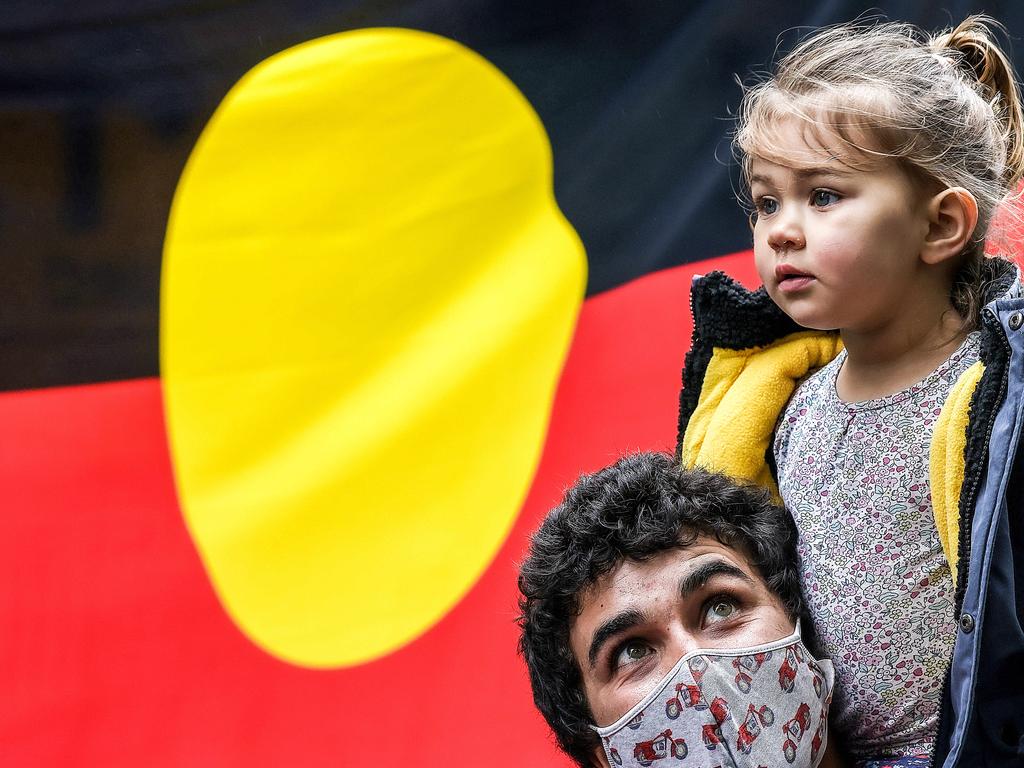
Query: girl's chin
column 815, row 324
column 804, row 316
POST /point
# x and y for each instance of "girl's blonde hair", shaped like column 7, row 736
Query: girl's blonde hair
column 946, row 107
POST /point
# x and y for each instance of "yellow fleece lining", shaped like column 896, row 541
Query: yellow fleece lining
column 743, row 393
column 946, row 461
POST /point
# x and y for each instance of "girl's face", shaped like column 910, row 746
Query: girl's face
column 836, row 247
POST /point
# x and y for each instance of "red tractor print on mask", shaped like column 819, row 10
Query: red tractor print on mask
column 746, row 667
column 711, row 733
column 613, row 752
column 819, row 736
column 646, row 752
column 719, row 709
column 795, row 730
column 787, row 672
column 751, row 726
column 698, row 666
column 819, row 678
column 687, row 696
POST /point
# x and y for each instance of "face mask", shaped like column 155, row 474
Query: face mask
column 761, row 706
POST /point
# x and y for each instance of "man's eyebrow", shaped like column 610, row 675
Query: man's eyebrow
column 706, row 571
column 616, row 625
column 690, row 583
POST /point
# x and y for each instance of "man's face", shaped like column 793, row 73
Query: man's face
column 639, row 619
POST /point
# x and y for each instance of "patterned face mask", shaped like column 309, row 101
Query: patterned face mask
column 761, row 706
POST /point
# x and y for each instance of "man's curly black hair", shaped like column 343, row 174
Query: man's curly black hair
column 641, row 505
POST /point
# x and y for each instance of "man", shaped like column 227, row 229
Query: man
column 642, row 564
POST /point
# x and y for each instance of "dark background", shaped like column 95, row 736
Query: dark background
column 101, row 102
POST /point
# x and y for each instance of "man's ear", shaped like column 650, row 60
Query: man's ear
column 952, row 218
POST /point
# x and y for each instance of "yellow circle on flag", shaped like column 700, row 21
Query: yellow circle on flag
column 368, row 294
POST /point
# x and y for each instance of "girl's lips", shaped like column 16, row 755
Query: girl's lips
column 794, row 282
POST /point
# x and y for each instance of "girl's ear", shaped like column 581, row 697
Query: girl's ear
column 952, row 218
column 600, row 761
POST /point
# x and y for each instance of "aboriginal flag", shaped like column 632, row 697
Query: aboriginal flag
column 310, row 310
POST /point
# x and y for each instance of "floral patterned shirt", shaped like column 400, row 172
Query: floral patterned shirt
column 878, row 587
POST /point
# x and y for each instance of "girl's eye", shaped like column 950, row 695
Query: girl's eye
column 631, row 652
column 719, row 609
column 823, row 198
column 766, row 206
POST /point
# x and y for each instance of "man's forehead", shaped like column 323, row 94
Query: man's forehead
column 629, row 577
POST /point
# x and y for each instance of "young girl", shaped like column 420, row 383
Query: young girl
column 876, row 158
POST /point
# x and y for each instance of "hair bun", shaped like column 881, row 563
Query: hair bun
column 973, row 49
column 976, row 52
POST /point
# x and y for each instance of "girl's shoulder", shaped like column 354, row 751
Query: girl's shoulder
column 818, row 386
column 814, row 397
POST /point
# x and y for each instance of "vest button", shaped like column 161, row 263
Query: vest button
column 1016, row 320
column 966, row 623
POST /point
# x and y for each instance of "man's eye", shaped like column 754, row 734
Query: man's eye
column 719, row 609
column 766, row 206
column 632, row 652
column 823, row 198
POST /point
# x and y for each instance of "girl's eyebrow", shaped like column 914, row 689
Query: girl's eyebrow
column 806, row 173
column 801, row 174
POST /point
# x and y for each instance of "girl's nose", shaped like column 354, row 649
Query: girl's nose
column 786, row 232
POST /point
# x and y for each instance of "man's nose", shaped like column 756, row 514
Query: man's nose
column 786, row 230
column 684, row 641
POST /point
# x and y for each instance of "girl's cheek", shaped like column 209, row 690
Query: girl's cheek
column 834, row 252
column 763, row 262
